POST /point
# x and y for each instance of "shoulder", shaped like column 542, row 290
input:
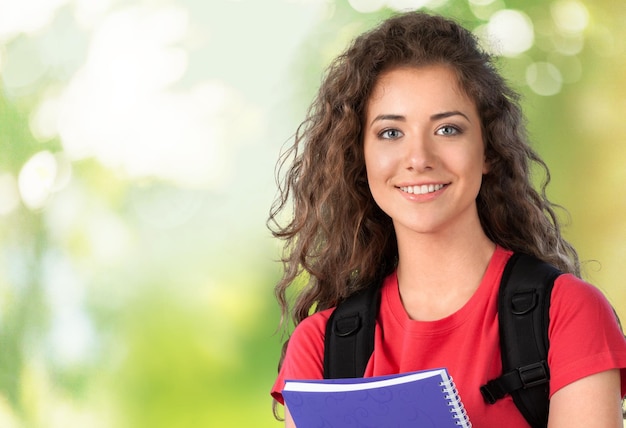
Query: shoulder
column 577, row 304
column 305, row 352
column 572, row 294
column 585, row 335
column 312, row 327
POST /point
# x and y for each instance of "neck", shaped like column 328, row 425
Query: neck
column 447, row 259
column 438, row 275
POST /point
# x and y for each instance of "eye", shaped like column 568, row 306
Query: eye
column 390, row 134
column 448, row 130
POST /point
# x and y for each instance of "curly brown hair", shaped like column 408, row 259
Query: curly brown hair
column 337, row 237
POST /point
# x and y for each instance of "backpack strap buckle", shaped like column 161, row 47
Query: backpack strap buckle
column 521, row 378
column 534, row 374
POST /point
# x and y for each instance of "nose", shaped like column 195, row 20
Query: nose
column 420, row 154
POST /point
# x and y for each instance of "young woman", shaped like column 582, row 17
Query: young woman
column 413, row 165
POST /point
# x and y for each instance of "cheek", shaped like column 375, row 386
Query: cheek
column 378, row 162
column 376, row 170
column 370, row 162
column 474, row 161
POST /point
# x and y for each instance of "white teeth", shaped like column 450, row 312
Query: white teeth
column 423, row 189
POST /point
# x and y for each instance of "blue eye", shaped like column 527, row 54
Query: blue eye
column 390, row 134
column 448, row 130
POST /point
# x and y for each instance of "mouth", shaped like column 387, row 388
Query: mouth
column 423, row 189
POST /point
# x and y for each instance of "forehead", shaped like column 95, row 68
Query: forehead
column 434, row 85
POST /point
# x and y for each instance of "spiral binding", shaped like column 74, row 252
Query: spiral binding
column 454, row 401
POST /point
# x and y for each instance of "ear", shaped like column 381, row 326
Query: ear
column 486, row 160
column 486, row 165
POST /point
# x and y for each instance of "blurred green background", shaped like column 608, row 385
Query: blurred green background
column 138, row 140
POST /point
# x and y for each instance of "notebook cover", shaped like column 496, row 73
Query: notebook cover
column 422, row 399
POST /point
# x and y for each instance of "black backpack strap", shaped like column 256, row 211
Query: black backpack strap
column 349, row 340
column 523, row 313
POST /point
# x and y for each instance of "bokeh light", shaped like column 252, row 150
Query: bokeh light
column 367, row 6
column 38, row 179
column 26, row 16
column 544, row 78
column 510, row 31
column 570, row 16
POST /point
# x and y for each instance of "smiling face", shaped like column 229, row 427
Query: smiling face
column 424, row 152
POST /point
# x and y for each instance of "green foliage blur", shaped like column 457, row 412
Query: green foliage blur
column 137, row 148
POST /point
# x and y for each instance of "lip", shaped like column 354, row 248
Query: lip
column 421, row 191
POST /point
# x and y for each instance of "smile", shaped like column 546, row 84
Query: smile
column 423, row 189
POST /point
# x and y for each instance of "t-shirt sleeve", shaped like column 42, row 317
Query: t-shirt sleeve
column 585, row 335
column 304, row 358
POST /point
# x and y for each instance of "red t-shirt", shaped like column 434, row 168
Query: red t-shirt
column 585, row 338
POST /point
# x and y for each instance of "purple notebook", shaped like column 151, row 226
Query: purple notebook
column 422, row 399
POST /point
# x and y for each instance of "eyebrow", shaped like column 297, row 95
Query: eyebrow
column 446, row 114
column 437, row 116
column 388, row 117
